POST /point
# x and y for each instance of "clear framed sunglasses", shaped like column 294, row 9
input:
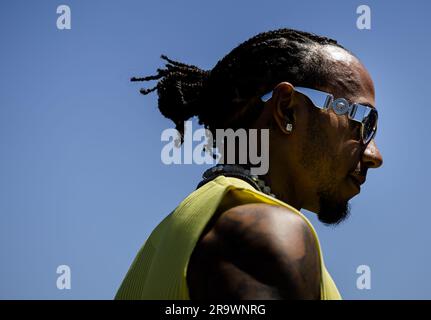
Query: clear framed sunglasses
column 363, row 114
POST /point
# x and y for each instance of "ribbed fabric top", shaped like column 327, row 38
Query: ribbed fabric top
column 159, row 270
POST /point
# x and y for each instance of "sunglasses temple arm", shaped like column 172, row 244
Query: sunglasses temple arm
column 328, row 102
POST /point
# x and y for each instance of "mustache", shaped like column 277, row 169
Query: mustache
column 360, row 171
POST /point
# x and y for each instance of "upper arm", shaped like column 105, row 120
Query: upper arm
column 256, row 251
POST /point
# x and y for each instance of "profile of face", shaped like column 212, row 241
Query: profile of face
column 321, row 163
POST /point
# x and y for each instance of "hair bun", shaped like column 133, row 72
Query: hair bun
column 180, row 89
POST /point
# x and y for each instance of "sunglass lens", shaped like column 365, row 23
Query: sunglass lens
column 370, row 125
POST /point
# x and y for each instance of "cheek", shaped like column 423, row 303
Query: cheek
column 349, row 157
column 328, row 143
column 344, row 153
column 343, row 136
column 339, row 126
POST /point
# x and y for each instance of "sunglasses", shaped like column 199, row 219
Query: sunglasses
column 363, row 114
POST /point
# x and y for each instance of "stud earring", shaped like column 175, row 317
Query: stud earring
column 289, row 127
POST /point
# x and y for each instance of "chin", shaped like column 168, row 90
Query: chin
column 333, row 212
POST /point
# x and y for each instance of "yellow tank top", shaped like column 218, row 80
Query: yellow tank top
column 159, row 270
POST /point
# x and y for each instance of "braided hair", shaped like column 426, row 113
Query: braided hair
column 228, row 95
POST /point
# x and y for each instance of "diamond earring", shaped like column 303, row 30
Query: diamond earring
column 289, row 127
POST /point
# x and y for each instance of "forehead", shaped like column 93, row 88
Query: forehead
column 347, row 78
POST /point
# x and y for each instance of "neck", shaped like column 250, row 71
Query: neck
column 285, row 187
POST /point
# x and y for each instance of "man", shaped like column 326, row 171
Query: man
column 231, row 238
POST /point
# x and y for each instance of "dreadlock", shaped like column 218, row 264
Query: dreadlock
column 228, row 95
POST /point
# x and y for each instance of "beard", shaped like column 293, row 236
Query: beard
column 332, row 212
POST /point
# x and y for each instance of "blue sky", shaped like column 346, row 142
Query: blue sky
column 81, row 180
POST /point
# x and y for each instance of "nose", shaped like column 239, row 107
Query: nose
column 371, row 156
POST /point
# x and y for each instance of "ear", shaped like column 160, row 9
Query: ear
column 283, row 111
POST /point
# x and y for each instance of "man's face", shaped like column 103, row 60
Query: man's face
column 332, row 156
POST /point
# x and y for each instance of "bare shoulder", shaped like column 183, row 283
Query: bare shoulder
column 269, row 222
column 256, row 251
